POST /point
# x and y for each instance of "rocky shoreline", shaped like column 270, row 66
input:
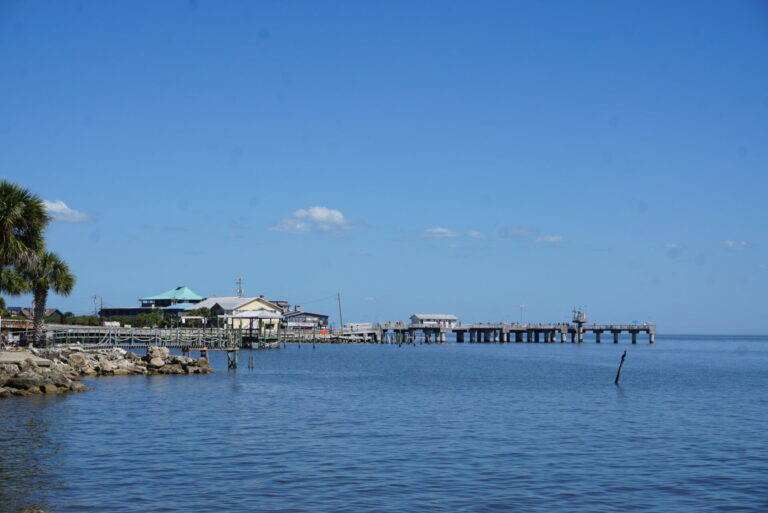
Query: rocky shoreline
column 57, row 371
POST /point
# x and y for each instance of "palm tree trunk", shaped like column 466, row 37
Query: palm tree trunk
column 41, row 295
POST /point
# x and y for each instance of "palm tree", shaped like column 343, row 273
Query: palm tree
column 49, row 272
column 23, row 219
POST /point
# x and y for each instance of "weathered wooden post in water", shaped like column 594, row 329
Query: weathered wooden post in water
column 621, row 364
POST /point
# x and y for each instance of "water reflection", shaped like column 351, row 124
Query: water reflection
column 534, row 427
column 29, row 452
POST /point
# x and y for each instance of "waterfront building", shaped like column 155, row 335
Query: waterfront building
column 434, row 320
column 177, row 297
column 229, row 310
column 284, row 305
column 181, row 294
column 301, row 320
column 28, row 313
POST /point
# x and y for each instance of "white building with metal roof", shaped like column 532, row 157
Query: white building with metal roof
column 434, row 320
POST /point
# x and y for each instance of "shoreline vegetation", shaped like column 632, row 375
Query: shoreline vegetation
column 58, row 370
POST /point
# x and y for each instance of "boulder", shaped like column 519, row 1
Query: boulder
column 171, row 368
column 77, row 387
column 127, row 367
column 107, row 366
column 183, row 360
column 5, row 392
column 27, row 364
column 50, row 388
column 80, row 362
column 158, row 352
column 59, row 379
column 27, row 380
column 7, row 372
column 156, row 363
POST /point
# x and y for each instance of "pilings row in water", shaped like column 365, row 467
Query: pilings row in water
column 399, row 333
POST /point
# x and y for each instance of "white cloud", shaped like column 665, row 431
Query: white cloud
column 736, row 244
column 550, row 239
column 320, row 219
column 672, row 245
column 513, row 232
column 439, row 233
column 61, row 212
column 477, row 235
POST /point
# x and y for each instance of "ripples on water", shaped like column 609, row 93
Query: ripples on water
column 480, row 427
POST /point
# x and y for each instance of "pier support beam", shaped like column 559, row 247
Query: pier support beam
column 518, row 336
column 597, row 336
column 615, row 336
column 459, row 337
column 650, row 337
column 563, row 337
column 634, row 337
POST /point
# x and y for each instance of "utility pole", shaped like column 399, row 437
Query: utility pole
column 239, row 283
column 98, row 304
column 341, row 319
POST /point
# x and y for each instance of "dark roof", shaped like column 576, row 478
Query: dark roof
column 302, row 312
column 30, row 313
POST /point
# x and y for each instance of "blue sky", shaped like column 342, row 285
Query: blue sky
column 438, row 157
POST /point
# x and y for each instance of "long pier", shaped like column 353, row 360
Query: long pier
column 377, row 333
column 400, row 332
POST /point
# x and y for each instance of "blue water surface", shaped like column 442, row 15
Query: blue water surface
column 451, row 427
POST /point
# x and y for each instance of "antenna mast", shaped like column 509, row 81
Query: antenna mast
column 98, row 304
column 239, row 283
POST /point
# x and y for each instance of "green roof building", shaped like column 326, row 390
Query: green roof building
column 181, row 294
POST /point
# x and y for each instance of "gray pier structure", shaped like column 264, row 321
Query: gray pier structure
column 500, row 333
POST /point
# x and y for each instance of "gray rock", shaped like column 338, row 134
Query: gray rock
column 158, row 352
column 59, row 379
column 50, row 388
column 26, row 380
column 156, row 363
column 27, row 364
column 77, row 387
column 80, row 362
column 171, row 368
column 183, row 360
column 5, row 392
column 107, row 366
column 7, row 372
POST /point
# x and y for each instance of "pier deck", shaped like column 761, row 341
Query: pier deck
column 499, row 333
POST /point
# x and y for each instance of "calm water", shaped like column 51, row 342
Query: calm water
column 518, row 427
